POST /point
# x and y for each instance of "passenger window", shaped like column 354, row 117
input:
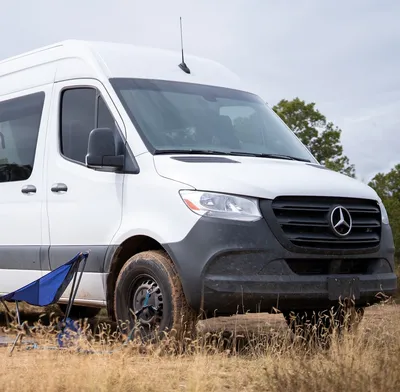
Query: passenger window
column 82, row 110
column 19, row 129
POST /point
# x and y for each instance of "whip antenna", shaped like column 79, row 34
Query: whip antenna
column 183, row 65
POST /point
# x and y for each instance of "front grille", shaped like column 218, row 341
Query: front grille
column 305, row 222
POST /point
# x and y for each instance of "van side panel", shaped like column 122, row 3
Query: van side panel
column 21, row 214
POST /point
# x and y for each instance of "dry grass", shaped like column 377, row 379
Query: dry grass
column 271, row 360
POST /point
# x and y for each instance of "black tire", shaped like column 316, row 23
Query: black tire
column 80, row 312
column 152, row 269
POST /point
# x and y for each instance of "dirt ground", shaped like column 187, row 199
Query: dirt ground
column 262, row 321
column 267, row 360
column 239, row 324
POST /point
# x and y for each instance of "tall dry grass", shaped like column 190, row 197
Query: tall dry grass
column 269, row 360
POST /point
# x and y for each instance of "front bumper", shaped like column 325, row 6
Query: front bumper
column 228, row 267
column 262, row 294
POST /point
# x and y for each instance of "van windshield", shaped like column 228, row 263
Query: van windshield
column 185, row 117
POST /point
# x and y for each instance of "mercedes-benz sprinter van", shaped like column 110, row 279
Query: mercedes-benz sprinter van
column 189, row 192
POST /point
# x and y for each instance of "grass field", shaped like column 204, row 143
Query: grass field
column 269, row 360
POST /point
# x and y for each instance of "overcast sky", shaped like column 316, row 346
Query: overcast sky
column 343, row 55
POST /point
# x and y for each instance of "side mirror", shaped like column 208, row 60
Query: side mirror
column 101, row 151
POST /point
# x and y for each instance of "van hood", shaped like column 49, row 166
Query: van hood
column 259, row 177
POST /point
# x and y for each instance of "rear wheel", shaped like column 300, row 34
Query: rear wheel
column 153, row 272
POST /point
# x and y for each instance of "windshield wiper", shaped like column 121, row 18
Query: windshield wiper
column 191, row 151
column 240, row 153
column 264, row 155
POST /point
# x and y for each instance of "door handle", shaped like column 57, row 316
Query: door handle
column 28, row 189
column 60, row 187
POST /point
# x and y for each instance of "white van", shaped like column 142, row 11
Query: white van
column 183, row 185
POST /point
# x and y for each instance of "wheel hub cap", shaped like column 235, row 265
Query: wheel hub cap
column 148, row 316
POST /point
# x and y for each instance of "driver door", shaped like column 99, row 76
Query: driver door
column 84, row 206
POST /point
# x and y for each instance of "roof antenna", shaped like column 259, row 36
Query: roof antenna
column 182, row 65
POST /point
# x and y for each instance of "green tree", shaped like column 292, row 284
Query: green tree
column 321, row 137
column 387, row 185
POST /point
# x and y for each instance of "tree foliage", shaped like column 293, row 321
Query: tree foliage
column 321, row 137
column 387, row 185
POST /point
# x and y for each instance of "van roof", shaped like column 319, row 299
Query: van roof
column 77, row 58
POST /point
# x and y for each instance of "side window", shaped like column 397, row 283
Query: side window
column 78, row 110
column 82, row 110
column 104, row 117
column 19, row 129
column 106, row 120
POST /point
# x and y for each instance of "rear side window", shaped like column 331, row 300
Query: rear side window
column 19, row 129
column 82, row 110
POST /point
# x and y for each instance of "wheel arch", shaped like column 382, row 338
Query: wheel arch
column 117, row 258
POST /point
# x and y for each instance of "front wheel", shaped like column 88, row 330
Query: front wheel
column 164, row 309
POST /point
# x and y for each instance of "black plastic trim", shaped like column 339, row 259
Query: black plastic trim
column 27, row 257
column 222, row 263
column 203, row 159
column 269, row 216
column 60, row 254
column 36, row 257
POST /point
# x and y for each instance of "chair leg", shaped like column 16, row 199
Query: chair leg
column 74, row 290
column 17, row 311
column 19, row 336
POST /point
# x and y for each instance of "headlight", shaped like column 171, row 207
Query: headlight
column 385, row 217
column 217, row 205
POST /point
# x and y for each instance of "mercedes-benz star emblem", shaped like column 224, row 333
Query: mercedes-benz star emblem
column 341, row 222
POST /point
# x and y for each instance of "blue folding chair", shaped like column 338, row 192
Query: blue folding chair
column 48, row 289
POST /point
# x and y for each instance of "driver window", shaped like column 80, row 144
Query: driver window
column 82, row 110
